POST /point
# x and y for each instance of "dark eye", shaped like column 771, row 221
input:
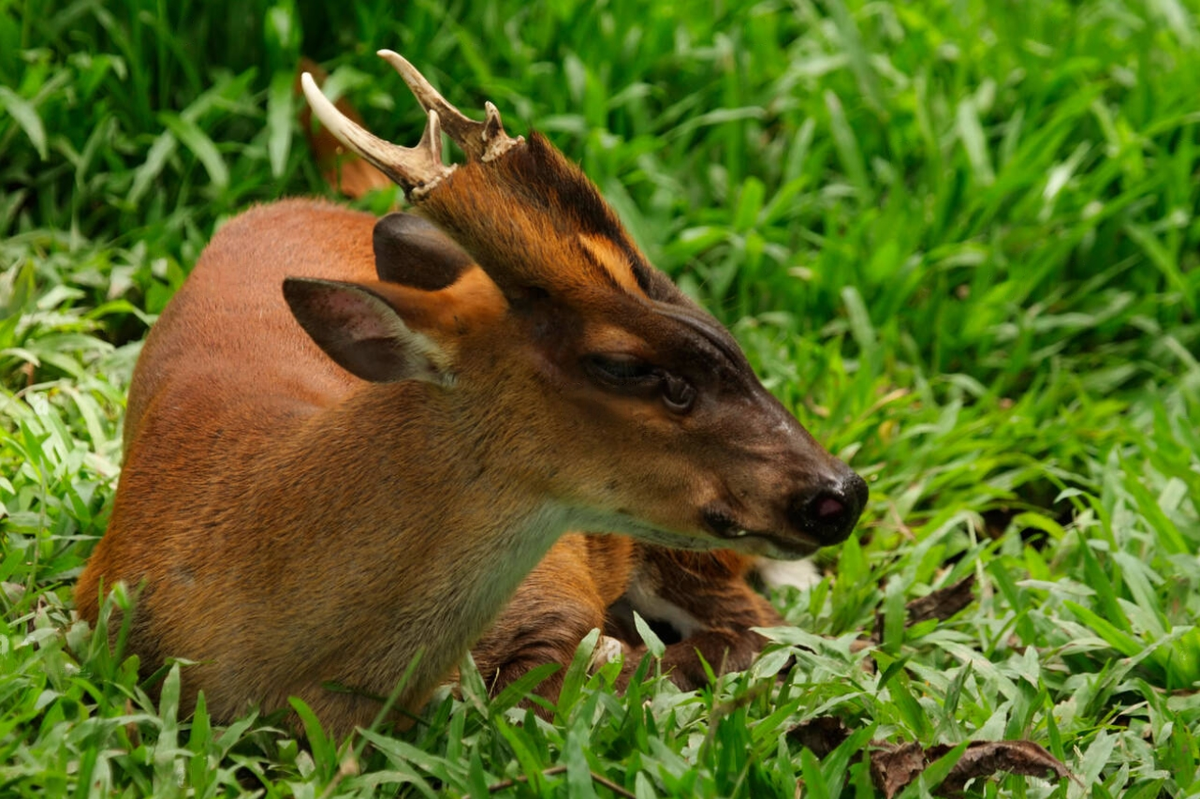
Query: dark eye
column 621, row 371
column 677, row 393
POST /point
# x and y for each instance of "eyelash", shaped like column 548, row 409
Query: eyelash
column 622, row 371
column 633, row 375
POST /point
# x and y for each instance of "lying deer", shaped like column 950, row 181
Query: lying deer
column 333, row 482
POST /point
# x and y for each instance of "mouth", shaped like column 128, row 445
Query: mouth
column 750, row 542
column 772, row 546
column 719, row 532
column 744, row 541
column 757, row 542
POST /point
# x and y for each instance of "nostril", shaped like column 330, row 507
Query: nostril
column 828, row 507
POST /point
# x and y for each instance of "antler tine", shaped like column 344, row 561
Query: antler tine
column 458, row 126
column 417, row 169
column 483, row 140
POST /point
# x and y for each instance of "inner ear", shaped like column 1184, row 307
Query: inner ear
column 411, row 251
column 363, row 332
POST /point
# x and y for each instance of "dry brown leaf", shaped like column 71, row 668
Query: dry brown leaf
column 985, row 758
column 894, row 766
column 943, row 603
column 820, row 735
column 940, row 604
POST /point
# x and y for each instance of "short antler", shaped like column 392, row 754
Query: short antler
column 417, row 169
column 482, row 140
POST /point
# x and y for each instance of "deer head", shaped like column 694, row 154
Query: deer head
column 633, row 406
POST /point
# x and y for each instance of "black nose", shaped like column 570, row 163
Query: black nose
column 829, row 514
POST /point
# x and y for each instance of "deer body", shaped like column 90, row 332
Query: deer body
column 325, row 482
column 331, row 562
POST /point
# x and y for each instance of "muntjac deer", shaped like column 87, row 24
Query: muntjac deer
column 328, row 482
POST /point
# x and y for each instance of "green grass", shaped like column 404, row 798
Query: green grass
column 959, row 239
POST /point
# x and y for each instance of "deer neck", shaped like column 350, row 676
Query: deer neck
column 379, row 521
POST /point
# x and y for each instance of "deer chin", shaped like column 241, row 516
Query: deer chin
column 769, row 545
column 749, row 542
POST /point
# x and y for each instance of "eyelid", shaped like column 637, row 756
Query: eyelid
column 621, row 370
column 630, row 374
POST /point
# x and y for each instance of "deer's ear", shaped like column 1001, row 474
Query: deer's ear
column 364, row 333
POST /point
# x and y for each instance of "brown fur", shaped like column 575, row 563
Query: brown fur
column 589, row 582
column 298, row 514
column 341, row 169
column 596, row 582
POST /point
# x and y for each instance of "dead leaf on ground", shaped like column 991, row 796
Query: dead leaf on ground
column 943, row 603
column 985, row 758
column 894, row 766
column 820, row 735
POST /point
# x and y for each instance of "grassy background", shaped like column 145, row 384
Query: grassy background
column 958, row 238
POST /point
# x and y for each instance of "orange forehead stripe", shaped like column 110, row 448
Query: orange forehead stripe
column 612, row 259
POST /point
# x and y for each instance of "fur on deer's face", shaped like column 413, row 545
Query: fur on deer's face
column 642, row 414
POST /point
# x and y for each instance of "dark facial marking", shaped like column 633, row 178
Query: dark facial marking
column 711, row 331
column 597, row 269
column 554, row 184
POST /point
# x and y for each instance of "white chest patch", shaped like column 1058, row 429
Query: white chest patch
column 802, row 574
column 652, row 606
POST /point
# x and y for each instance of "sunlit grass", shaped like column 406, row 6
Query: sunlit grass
column 960, row 240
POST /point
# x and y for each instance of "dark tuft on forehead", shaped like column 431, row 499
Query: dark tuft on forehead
column 550, row 181
column 547, row 180
column 531, row 217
